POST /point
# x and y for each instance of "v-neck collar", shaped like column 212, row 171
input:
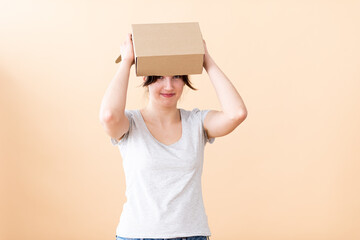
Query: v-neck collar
column 163, row 144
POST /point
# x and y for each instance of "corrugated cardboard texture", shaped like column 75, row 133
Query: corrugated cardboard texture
column 168, row 49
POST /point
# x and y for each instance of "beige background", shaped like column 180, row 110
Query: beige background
column 289, row 171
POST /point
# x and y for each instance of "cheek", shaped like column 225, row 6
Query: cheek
column 181, row 85
column 155, row 87
column 157, row 84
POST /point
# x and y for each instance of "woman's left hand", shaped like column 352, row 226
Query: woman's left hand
column 206, row 56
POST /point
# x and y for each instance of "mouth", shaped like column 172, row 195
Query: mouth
column 167, row 95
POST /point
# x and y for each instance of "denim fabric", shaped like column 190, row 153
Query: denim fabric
column 180, row 238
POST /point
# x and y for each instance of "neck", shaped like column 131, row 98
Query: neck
column 162, row 114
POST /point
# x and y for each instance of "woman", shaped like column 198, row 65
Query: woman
column 162, row 148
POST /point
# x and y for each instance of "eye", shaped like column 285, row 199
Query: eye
column 177, row 76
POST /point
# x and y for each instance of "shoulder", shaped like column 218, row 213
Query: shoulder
column 196, row 118
column 133, row 117
column 132, row 114
column 195, row 114
column 189, row 113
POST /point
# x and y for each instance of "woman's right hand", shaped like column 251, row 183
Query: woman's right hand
column 127, row 50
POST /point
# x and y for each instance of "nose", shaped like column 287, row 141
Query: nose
column 168, row 83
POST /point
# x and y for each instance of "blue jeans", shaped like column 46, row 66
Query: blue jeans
column 180, row 238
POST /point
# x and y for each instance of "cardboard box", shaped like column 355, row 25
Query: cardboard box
column 166, row 49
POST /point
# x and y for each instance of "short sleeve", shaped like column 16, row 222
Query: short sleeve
column 114, row 141
column 203, row 115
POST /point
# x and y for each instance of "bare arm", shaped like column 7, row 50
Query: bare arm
column 112, row 110
column 220, row 123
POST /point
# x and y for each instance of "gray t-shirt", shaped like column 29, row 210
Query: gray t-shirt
column 163, row 182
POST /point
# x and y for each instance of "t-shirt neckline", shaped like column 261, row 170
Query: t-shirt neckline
column 163, row 144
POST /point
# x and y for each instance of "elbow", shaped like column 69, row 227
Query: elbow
column 244, row 114
column 107, row 117
column 239, row 116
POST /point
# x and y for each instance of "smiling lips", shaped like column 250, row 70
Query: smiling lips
column 167, row 95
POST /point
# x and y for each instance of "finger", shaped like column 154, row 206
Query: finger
column 118, row 59
column 126, row 38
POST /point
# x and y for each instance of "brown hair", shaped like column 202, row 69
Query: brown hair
column 151, row 79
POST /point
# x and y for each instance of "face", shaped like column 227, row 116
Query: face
column 166, row 90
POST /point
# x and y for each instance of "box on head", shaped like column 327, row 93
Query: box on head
column 166, row 49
